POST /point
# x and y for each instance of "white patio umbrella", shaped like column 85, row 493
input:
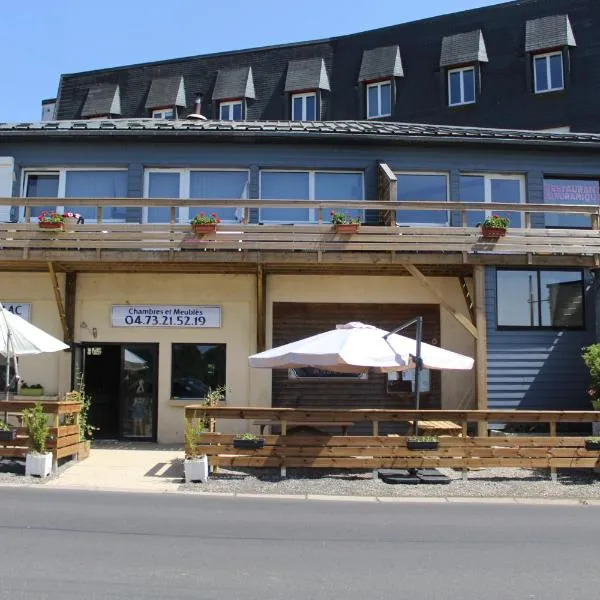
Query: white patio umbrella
column 19, row 337
column 357, row 348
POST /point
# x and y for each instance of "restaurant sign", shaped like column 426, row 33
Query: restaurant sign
column 571, row 191
column 21, row 309
column 158, row 315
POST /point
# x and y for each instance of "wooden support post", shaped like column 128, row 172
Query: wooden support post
column 261, row 309
column 462, row 319
column 59, row 302
column 553, row 473
column 387, row 185
column 465, row 433
column 481, row 346
column 375, row 428
column 283, row 427
column 70, row 301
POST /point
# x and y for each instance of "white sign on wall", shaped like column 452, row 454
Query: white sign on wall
column 21, row 309
column 158, row 315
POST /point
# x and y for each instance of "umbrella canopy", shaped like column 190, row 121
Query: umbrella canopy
column 25, row 338
column 356, row 348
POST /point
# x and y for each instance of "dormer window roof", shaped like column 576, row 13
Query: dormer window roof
column 381, row 63
column 234, row 84
column 166, row 92
column 548, row 32
column 309, row 74
column 103, row 99
column 463, row 49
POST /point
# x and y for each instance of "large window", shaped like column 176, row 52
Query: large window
column 196, row 368
column 548, row 72
column 461, row 86
column 78, row 183
column 432, row 187
column 506, row 189
column 379, row 99
column 538, row 298
column 201, row 184
column 308, row 185
column 304, row 107
column 570, row 191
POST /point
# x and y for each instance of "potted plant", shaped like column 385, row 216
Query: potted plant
column 37, row 462
column 494, row 226
column 31, row 390
column 7, row 433
column 86, row 429
column 248, row 441
column 343, row 223
column 51, row 220
column 422, row 442
column 195, row 464
column 73, row 218
column 203, row 223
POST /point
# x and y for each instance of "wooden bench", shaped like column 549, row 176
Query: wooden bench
column 285, row 424
column 438, row 428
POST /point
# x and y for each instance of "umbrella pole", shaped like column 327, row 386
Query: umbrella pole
column 418, row 367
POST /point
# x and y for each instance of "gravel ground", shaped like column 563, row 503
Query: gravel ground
column 12, row 471
column 523, row 483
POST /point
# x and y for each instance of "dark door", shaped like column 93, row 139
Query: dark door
column 102, row 376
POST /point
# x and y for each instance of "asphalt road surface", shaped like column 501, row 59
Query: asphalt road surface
column 90, row 545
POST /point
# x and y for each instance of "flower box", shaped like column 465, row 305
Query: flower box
column 50, row 225
column 8, row 436
column 38, row 465
column 31, row 391
column 493, row 232
column 253, row 444
column 346, row 228
column 195, row 469
column 203, row 228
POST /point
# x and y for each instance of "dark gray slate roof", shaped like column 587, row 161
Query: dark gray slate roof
column 463, row 48
column 290, row 131
column 104, row 99
column 381, row 62
column 549, row 32
column 166, row 91
column 234, row 83
column 309, row 74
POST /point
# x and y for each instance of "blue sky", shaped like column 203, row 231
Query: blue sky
column 66, row 36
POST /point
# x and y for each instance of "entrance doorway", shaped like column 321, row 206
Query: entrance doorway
column 121, row 380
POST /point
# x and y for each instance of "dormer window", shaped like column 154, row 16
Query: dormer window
column 231, row 110
column 548, row 72
column 163, row 113
column 461, row 86
column 304, row 107
column 379, row 99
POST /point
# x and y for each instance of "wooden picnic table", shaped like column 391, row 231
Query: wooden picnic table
column 285, row 424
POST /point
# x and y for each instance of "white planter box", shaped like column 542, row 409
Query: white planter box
column 39, row 465
column 196, row 469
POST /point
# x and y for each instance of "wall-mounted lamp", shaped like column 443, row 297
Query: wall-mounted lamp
column 94, row 332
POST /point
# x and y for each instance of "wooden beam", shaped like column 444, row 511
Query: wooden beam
column 387, row 184
column 467, row 296
column 261, row 309
column 464, row 321
column 59, row 302
column 70, row 298
column 480, row 345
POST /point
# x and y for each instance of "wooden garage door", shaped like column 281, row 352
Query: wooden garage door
column 293, row 321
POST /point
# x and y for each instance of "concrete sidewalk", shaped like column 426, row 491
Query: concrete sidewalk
column 125, row 466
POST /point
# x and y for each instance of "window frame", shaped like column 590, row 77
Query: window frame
column 231, row 104
column 160, row 113
column 462, row 71
column 540, row 327
column 184, row 188
column 487, row 191
column 379, row 85
column 312, row 212
column 435, row 173
column 546, row 56
column 304, row 96
column 62, row 186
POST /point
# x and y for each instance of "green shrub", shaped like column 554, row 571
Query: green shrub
column 591, row 358
column 36, row 424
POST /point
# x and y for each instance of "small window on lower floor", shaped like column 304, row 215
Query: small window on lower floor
column 196, row 369
column 540, row 299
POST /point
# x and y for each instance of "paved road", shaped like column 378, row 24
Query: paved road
column 92, row 545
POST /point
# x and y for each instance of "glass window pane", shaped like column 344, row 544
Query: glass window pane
column 507, row 190
column 311, row 106
column 562, row 298
column 386, row 99
column 454, row 88
column 413, row 187
column 97, row 184
column 297, row 109
column 162, row 185
column 224, row 110
column 556, row 72
column 339, row 186
column 278, row 185
column 469, row 85
column 42, row 186
column 541, row 75
column 237, row 111
column 517, row 294
column 570, row 191
column 219, row 185
column 372, row 102
column 196, row 368
column 472, row 189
